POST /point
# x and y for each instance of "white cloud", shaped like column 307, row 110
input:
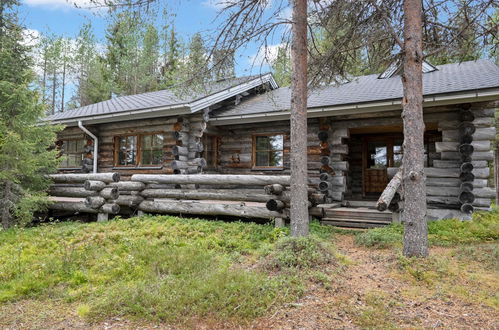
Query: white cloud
column 58, row 4
column 31, row 37
column 216, row 4
column 266, row 55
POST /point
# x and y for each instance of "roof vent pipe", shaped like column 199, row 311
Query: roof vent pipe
column 96, row 144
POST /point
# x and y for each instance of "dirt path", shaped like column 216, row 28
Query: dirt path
column 370, row 296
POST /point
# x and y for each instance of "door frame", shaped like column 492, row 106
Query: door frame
column 389, row 139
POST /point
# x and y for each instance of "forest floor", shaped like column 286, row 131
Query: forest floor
column 368, row 287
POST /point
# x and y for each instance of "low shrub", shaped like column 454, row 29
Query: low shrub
column 300, row 253
column 483, row 228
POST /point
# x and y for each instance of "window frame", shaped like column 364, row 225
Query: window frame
column 63, row 154
column 253, row 152
column 138, row 163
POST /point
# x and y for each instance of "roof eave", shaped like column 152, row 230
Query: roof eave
column 231, row 92
column 366, row 107
column 175, row 110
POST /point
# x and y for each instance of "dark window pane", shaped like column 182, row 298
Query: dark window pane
column 262, row 143
column 262, row 158
column 127, row 153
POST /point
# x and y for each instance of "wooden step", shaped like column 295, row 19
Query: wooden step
column 350, row 224
column 354, row 203
column 366, row 220
column 357, row 214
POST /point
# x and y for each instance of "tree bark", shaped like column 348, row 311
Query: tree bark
column 6, row 205
column 416, row 228
column 298, row 154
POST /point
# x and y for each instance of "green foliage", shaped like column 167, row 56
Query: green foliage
column 300, row 253
column 483, row 228
column 24, row 158
column 281, row 67
column 161, row 268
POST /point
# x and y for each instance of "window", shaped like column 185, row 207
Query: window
column 268, row 151
column 210, row 154
column 152, row 149
column 139, row 150
column 72, row 150
column 126, row 150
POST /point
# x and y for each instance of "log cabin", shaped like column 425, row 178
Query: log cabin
column 355, row 137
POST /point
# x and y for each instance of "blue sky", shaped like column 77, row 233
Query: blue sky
column 62, row 18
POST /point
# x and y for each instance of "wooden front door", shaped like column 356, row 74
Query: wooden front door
column 379, row 153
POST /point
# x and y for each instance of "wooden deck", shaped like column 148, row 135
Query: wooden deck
column 356, row 214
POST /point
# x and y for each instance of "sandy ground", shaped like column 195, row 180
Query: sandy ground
column 368, row 294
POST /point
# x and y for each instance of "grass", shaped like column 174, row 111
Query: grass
column 483, row 228
column 159, row 268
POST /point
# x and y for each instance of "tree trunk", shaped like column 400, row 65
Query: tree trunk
column 6, row 205
column 299, row 201
column 415, row 228
column 63, row 84
column 54, row 85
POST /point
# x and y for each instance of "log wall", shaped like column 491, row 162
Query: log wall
column 236, row 148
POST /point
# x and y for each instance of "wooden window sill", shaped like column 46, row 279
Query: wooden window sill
column 267, row 168
column 137, row 167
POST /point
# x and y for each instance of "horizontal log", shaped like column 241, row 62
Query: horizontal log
column 483, row 155
column 483, row 202
column 334, row 195
column 323, row 135
column 235, row 210
column 438, row 191
column 340, row 166
column 71, row 192
column 208, row 194
column 110, row 193
column 480, row 183
column 446, row 200
column 129, row 200
column 110, row 208
column 274, row 189
column 334, row 180
column 485, row 133
column 275, row 205
column 214, row 179
column 95, row 202
column 446, row 146
column 94, row 185
column 76, row 207
column 442, row 172
column 341, row 149
column 479, row 113
column 443, row 182
column 481, row 173
column 485, row 192
column 466, row 186
column 466, row 149
column 180, row 151
column 78, row 177
column 437, row 163
column 484, row 122
column 128, row 186
column 326, row 186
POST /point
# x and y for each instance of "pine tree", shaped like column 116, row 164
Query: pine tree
column 24, row 155
column 148, row 69
column 281, row 67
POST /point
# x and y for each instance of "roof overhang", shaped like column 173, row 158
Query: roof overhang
column 232, row 91
column 126, row 115
column 172, row 110
column 360, row 108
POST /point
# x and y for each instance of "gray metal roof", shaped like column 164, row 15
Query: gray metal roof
column 155, row 100
column 449, row 78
